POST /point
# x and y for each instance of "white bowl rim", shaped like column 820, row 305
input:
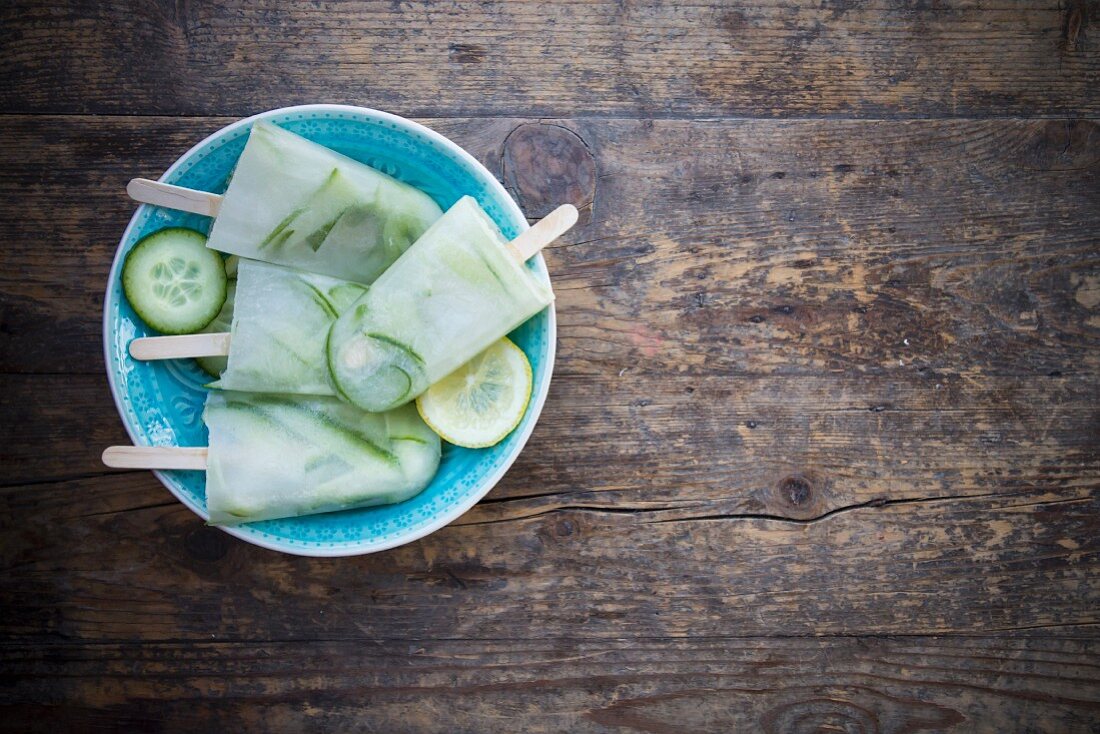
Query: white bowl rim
column 352, row 548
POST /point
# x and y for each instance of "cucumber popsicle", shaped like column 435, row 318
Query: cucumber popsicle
column 452, row 294
column 281, row 318
column 293, row 202
column 274, row 456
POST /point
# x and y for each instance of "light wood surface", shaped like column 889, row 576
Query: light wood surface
column 154, row 457
column 177, row 347
column 543, row 233
column 174, row 197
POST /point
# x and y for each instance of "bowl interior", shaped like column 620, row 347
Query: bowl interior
column 161, row 402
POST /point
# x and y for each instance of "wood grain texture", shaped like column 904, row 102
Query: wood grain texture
column 785, row 248
column 647, row 59
column 700, row 446
column 777, row 686
column 822, row 449
column 114, row 558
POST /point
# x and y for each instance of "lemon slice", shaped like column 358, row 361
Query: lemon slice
column 480, row 403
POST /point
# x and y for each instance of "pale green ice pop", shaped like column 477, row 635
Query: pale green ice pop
column 293, row 202
column 273, row 456
column 453, row 293
column 280, row 322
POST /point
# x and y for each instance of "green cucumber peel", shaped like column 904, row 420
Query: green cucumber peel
column 278, row 233
column 281, row 412
column 321, row 300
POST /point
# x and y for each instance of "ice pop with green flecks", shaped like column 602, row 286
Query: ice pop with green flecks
column 276, row 456
column 293, row 202
column 276, row 341
column 280, row 324
column 458, row 289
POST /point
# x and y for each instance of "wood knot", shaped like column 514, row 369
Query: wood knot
column 466, row 53
column 206, row 544
column 562, row 531
column 858, row 711
column 545, row 166
column 795, row 490
column 816, row 715
column 1073, row 27
column 1060, row 145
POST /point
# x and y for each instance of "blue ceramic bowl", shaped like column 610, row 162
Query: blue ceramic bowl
column 161, row 402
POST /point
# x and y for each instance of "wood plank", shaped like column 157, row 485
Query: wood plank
column 874, row 248
column 792, row 447
column 911, row 684
column 770, row 59
column 55, row 426
column 950, row 247
column 110, row 559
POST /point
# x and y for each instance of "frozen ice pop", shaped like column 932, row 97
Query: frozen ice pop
column 293, row 202
column 273, row 456
column 276, row 338
column 281, row 319
column 453, row 293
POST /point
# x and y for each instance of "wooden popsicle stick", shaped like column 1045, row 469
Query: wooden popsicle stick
column 543, row 232
column 174, row 197
column 155, row 457
column 177, row 347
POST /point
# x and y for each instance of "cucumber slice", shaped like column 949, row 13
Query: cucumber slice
column 372, row 371
column 174, row 283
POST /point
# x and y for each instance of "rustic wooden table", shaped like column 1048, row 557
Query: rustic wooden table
column 822, row 450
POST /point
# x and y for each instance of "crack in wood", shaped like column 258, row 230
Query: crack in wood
column 876, row 503
column 63, row 479
column 137, row 508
